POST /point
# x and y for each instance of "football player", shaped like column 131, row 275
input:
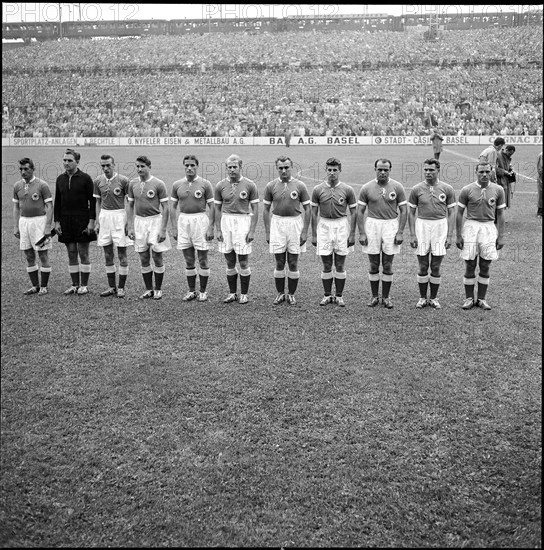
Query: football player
column 431, row 230
column 478, row 237
column 110, row 192
column 147, row 225
column 236, row 212
column 381, row 233
column 192, row 225
column 332, row 233
column 32, row 217
column 287, row 227
column 75, row 216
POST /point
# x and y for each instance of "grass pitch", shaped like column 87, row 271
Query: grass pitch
column 171, row 424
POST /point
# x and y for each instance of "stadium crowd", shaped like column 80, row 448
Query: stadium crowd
column 485, row 81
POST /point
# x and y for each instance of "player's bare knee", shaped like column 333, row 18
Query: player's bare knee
column 44, row 258
column 484, row 267
column 470, row 268
column 30, row 256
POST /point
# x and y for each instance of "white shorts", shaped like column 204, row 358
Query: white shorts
column 431, row 236
column 285, row 234
column 480, row 239
column 332, row 236
column 381, row 236
column 146, row 232
column 31, row 231
column 192, row 230
column 235, row 228
column 112, row 228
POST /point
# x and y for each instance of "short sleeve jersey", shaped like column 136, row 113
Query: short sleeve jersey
column 489, row 154
column 192, row 196
column 111, row 192
column 432, row 201
column 147, row 196
column 31, row 197
column 333, row 202
column 287, row 198
column 382, row 201
column 235, row 198
column 481, row 202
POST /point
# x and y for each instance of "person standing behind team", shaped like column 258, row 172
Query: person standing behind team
column 75, row 215
column 147, row 223
column 236, row 214
column 110, row 191
column 287, row 229
column 332, row 234
column 32, row 217
column 489, row 155
column 192, row 227
column 431, row 232
column 506, row 175
column 381, row 234
column 436, row 140
column 478, row 236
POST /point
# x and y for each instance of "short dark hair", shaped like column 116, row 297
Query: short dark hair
column 284, row 158
column 383, row 160
column 510, row 148
column 106, row 157
column 75, row 154
column 333, row 161
column 436, row 162
column 499, row 141
column 28, row 161
column 190, row 157
column 144, row 159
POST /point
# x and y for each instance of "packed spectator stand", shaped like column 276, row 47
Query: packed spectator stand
column 481, row 81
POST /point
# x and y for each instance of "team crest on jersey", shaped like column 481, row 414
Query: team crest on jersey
column 198, row 194
column 392, row 196
column 150, row 194
column 243, row 195
column 117, row 191
column 341, row 200
column 492, row 201
column 442, row 197
column 35, row 197
column 294, row 195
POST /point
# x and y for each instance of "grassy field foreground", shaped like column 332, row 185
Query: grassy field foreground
column 166, row 424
